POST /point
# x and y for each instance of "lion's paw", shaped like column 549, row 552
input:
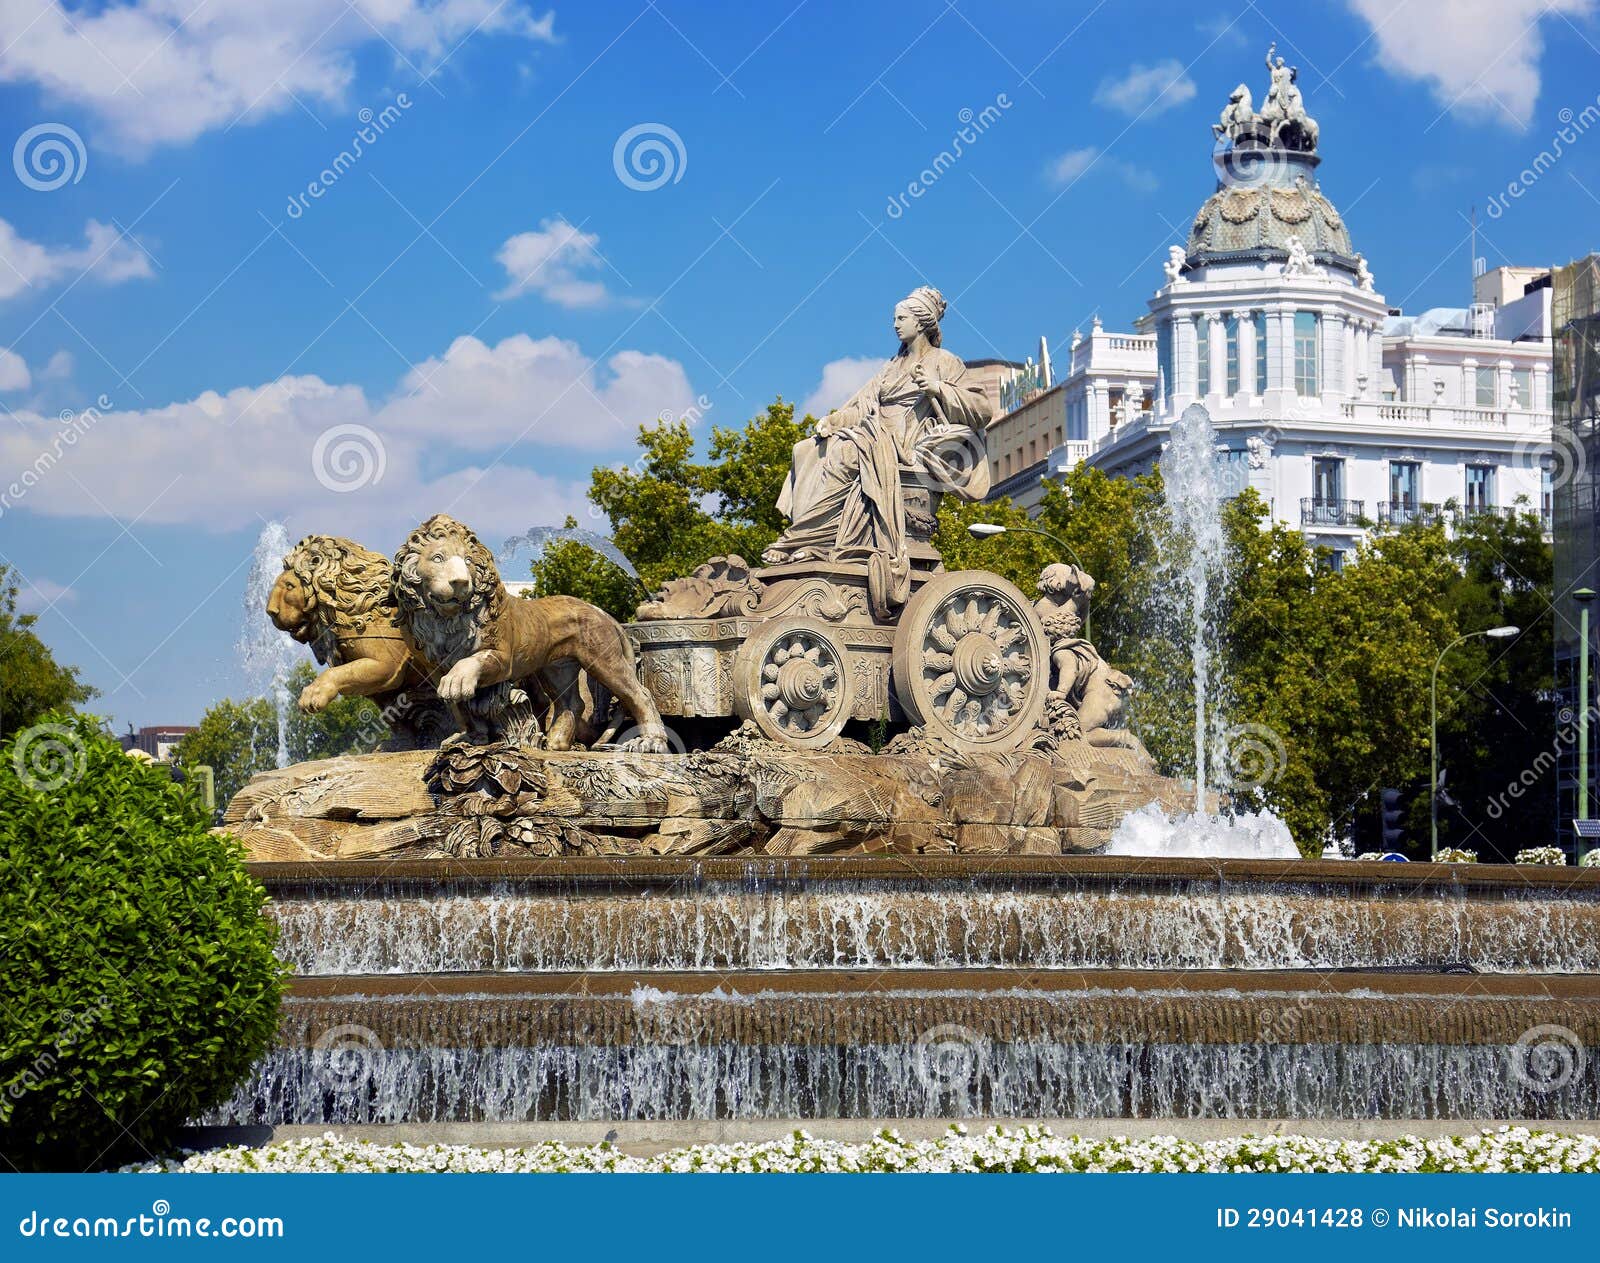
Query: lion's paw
column 649, row 741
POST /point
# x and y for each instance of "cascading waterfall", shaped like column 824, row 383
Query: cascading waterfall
column 265, row 653
column 381, row 928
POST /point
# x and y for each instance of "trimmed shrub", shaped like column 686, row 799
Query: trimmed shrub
column 139, row 982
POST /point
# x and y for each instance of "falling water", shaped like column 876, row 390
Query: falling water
column 1193, row 504
column 265, row 653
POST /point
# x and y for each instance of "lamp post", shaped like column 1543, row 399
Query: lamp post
column 1493, row 633
column 1583, row 596
column 987, row 530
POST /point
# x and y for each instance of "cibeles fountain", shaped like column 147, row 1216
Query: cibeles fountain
column 823, row 835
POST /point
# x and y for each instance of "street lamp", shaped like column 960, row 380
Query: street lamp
column 1493, row 633
column 1583, row 596
column 987, row 530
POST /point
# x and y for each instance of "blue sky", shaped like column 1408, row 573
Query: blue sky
column 491, row 298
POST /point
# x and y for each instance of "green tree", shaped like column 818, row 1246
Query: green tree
column 31, row 680
column 238, row 739
column 669, row 512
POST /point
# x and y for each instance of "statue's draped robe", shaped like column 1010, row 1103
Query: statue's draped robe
column 842, row 496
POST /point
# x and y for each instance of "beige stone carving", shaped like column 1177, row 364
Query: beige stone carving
column 722, row 586
column 501, row 656
column 337, row 598
column 969, row 661
column 923, row 413
column 747, row 796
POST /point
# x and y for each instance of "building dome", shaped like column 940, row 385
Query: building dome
column 1268, row 206
column 1265, row 198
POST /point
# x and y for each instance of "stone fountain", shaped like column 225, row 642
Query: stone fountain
column 821, row 837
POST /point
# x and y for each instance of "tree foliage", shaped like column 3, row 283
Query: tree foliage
column 31, row 680
column 238, row 739
column 669, row 512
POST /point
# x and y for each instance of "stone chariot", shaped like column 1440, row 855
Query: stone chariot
column 800, row 650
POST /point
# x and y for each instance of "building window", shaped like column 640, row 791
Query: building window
column 1327, row 480
column 1522, row 388
column 1403, row 479
column 1333, row 559
column 1233, row 471
column 1480, row 488
column 1306, row 326
column 1232, row 332
column 1547, row 498
column 1164, row 356
column 1483, row 379
column 1202, row 343
column 1261, row 352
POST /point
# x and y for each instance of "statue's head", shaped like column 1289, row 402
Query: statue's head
column 289, row 605
column 325, row 577
column 1060, row 579
column 919, row 312
column 444, row 569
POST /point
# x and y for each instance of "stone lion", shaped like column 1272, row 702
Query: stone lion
column 337, row 598
column 497, row 651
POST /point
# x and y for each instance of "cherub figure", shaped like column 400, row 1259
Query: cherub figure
column 1063, row 607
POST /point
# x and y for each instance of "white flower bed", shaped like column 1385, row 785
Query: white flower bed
column 1455, row 855
column 1510, row 1149
column 1552, row 855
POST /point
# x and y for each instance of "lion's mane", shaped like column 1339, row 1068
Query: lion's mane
column 353, row 587
column 446, row 639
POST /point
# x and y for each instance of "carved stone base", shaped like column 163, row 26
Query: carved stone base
column 755, row 797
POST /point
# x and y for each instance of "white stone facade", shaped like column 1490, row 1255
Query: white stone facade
column 1337, row 413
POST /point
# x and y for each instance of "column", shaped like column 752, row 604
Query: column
column 1218, row 386
column 1248, row 350
column 1186, row 368
column 1375, row 361
column 1330, row 375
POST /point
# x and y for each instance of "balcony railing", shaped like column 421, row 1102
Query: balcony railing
column 1388, row 413
column 1315, row 511
column 1404, row 512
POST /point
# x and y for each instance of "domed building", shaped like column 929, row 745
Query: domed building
column 1336, row 410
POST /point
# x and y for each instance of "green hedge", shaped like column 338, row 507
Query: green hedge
column 138, row 981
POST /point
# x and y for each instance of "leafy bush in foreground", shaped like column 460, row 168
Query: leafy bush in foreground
column 139, row 982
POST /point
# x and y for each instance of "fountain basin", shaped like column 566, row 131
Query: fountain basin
column 929, row 912
column 1005, row 1043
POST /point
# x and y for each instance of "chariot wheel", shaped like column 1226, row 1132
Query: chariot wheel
column 789, row 677
column 971, row 661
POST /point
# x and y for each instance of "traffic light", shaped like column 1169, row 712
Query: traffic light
column 1389, row 818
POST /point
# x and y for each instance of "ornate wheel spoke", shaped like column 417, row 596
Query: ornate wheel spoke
column 791, row 681
column 965, row 660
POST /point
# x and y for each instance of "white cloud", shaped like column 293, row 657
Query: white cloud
column 106, row 256
column 1076, row 163
column 840, row 379
column 535, row 390
column 548, row 262
column 224, row 460
column 1479, row 57
column 157, row 72
column 1146, row 90
column 14, row 374
column 37, row 595
column 58, row 368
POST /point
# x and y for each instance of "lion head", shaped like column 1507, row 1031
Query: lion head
column 330, row 587
column 447, row 587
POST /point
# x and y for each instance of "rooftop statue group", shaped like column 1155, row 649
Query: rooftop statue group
column 1282, row 120
column 851, row 616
